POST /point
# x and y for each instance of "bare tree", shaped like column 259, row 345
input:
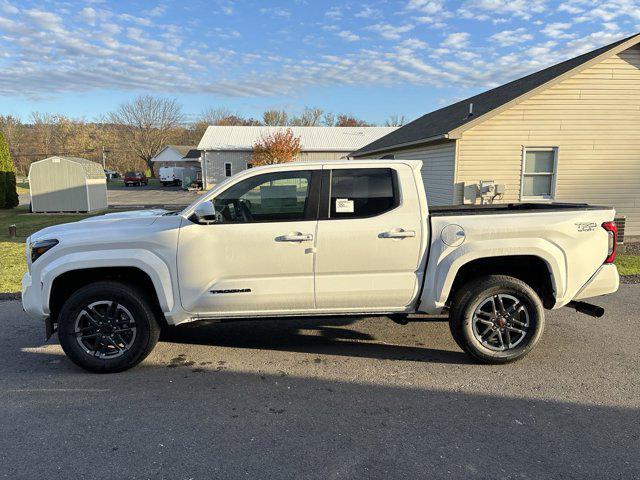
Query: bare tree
column 275, row 118
column 310, row 117
column 14, row 131
column 395, row 121
column 329, row 119
column 147, row 123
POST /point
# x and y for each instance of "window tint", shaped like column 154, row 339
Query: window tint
column 362, row 192
column 227, row 169
column 272, row 197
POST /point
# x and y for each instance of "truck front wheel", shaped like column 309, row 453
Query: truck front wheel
column 107, row 327
column 496, row 319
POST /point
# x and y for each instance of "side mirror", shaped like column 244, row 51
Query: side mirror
column 204, row 213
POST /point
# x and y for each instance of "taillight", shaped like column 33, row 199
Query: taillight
column 612, row 230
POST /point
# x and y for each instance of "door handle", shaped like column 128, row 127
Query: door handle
column 398, row 233
column 295, row 237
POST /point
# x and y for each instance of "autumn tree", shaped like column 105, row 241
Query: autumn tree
column 279, row 147
column 8, row 194
column 350, row 121
column 146, row 124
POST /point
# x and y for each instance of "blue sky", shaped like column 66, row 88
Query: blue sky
column 371, row 58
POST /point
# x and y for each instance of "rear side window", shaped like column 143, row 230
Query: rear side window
column 362, row 192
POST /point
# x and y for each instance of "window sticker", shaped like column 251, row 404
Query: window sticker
column 344, row 205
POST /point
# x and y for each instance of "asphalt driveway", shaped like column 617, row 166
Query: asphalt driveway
column 328, row 398
column 149, row 196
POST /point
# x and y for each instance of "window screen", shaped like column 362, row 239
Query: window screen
column 362, row 192
column 538, row 176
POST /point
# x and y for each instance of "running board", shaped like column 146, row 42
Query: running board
column 587, row 308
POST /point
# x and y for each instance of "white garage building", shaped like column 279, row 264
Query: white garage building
column 228, row 150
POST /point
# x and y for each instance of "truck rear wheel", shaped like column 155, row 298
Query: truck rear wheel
column 107, row 327
column 496, row 319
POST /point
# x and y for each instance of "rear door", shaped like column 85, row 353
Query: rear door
column 368, row 239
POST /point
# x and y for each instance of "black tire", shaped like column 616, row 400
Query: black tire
column 472, row 295
column 147, row 330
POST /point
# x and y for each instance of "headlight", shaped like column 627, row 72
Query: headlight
column 40, row 247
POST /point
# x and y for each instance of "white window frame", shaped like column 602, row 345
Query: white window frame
column 554, row 174
column 230, row 169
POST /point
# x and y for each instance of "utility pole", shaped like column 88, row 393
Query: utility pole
column 104, row 159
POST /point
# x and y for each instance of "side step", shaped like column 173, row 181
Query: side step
column 587, row 308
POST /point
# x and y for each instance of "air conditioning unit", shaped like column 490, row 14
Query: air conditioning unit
column 620, row 222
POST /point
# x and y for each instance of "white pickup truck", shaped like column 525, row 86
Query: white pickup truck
column 331, row 238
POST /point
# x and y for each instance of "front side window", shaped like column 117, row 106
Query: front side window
column 362, row 192
column 271, row 197
column 539, row 173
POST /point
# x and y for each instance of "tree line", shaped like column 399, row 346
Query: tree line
column 131, row 135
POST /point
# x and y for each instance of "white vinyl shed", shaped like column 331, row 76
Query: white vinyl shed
column 67, row 184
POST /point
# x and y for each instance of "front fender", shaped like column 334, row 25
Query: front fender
column 445, row 262
column 146, row 261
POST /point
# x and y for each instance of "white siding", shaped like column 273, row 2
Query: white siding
column 437, row 169
column 594, row 120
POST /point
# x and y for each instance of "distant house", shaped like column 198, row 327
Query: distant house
column 177, row 156
column 570, row 132
column 228, row 150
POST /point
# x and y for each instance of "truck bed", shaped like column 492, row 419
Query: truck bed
column 456, row 210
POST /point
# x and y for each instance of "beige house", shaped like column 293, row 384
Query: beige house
column 569, row 133
column 227, row 150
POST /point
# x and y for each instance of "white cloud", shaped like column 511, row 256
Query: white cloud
column 557, row 30
column 506, row 38
column 391, row 32
column 7, row 7
column 348, row 36
column 486, row 9
column 369, row 12
column 89, row 15
column 276, row 12
column 456, row 41
column 334, row 13
column 430, row 7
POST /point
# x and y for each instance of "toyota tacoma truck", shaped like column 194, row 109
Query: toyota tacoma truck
column 328, row 238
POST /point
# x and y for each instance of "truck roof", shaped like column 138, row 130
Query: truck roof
column 414, row 164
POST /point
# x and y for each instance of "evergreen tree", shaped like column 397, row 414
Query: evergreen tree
column 8, row 193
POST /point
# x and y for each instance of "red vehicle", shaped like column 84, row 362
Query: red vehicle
column 135, row 178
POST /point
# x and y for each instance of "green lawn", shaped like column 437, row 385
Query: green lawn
column 12, row 250
column 628, row 264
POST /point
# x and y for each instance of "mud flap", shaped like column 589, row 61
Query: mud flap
column 49, row 328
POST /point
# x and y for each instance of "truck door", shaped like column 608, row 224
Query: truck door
column 368, row 239
column 257, row 255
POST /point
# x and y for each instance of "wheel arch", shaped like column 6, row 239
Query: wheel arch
column 445, row 265
column 65, row 284
column 531, row 269
column 140, row 268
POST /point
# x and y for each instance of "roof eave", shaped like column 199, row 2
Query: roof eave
column 422, row 141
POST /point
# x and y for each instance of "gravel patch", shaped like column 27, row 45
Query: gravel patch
column 5, row 297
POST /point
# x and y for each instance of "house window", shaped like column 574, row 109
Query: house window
column 227, row 169
column 539, row 173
